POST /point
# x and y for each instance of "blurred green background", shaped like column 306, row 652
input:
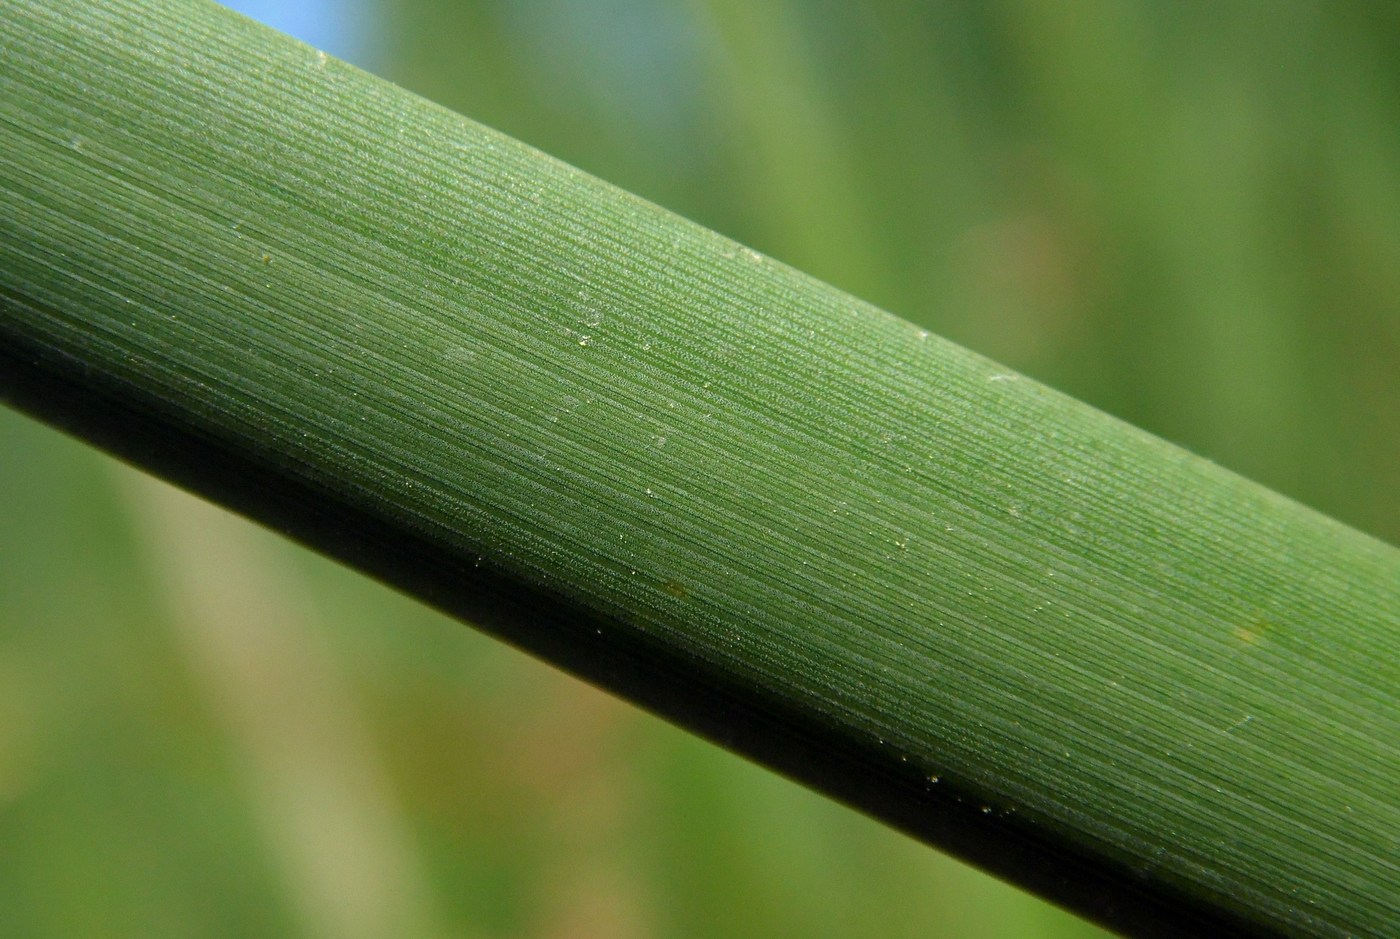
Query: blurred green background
column 1186, row 213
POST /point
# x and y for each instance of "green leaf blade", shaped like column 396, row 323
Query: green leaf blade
column 961, row 601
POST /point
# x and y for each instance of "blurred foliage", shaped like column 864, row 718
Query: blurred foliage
column 1187, row 214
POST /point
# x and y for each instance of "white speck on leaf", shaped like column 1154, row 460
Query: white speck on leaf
column 1239, row 723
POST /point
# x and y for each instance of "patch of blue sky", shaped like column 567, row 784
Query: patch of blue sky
column 344, row 28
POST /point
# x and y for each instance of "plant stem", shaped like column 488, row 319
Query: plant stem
column 981, row 611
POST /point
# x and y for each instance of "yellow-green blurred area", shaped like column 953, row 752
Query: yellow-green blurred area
column 1186, row 213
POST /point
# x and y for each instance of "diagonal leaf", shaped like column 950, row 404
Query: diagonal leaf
column 962, row 602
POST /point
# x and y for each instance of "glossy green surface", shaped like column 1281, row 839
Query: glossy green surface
column 1059, row 617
